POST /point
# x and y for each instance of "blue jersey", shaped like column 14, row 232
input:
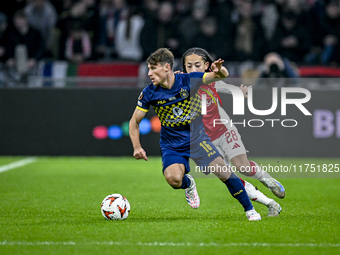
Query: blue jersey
column 176, row 110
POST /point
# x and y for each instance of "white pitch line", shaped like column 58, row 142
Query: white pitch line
column 17, row 164
column 71, row 243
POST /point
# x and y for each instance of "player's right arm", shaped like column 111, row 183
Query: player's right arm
column 138, row 151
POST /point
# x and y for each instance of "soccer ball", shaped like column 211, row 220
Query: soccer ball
column 115, row 207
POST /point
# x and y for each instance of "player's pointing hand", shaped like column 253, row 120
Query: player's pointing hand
column 140, row 154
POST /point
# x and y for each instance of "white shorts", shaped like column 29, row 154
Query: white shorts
column 230, row 144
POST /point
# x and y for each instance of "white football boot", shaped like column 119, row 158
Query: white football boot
column 273, row 185
column 274, row 209
column 191, row 194
column 252, row 215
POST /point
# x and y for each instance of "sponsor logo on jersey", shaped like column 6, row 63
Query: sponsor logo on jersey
column 177, row 111
column 172, row 98
column 139, row 103
column 161, row 102
column 140, row 96
column 183, row 119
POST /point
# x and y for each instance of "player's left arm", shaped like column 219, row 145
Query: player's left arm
column 219, row 72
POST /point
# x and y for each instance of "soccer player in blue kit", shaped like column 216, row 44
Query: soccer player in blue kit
column 182, row 133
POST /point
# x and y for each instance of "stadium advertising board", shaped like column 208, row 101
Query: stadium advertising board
column 84, row 122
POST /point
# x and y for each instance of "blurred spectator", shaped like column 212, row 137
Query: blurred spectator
column 248, row 39
column 222, row 11
column 128, row 36
column 330, row 33
column 87, row 13
column 150, row 8
column 111, row 13
column 290, row 39
column 42, row 16
column 61, row 5
column 273, row 10
column 78, row 44
column 317, row 9
column 209, row 39
column 277, row 67
column 161, row 32
column 269, row 19
column 304, row 15
column 279, row 72
column 327, row 43
column 91, row 22
column 182, row 8
column 303, row 31
column 25, row 47
column 10, row 7
column 3, row 28
column 187, row 36
column 280, row 6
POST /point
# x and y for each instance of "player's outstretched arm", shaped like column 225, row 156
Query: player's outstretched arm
column 138, row 151
column 219, row 72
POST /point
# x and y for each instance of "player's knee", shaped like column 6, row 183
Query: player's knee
column 175, row 181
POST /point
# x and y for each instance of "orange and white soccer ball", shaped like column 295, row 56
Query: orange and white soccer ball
column 115, row 207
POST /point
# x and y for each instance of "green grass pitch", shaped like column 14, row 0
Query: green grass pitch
column 52, row 206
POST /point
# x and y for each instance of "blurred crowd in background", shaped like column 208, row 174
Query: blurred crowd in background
column 306, row 32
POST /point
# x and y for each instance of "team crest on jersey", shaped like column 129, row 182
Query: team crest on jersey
column 184, row 93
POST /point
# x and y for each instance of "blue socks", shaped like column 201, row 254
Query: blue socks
column 238, row 191
column 185, row 182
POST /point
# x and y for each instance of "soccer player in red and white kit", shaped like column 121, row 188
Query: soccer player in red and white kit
column 226, row 137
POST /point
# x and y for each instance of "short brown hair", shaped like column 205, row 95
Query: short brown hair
column 162, row 56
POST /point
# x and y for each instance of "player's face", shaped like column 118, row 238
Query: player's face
column 195, row 63
column 157, row 73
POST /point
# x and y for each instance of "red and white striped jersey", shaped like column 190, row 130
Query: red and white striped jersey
column 214, row 112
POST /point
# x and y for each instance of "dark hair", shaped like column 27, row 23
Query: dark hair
column 162, row 56
column 199, row 52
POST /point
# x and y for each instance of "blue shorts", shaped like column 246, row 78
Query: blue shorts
column 202, row 153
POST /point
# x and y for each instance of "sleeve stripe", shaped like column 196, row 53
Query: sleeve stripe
column 142, row 109
column 204, row 81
